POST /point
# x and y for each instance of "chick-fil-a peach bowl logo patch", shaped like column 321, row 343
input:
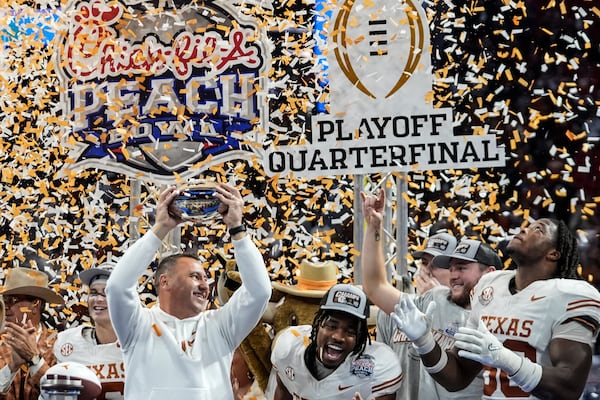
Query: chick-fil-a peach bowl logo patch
column 160, row 92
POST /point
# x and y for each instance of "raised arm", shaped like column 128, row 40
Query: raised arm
column 121, row 289
column 251, row 299
column 375, row 283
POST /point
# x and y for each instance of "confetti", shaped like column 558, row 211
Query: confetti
column 532, row 87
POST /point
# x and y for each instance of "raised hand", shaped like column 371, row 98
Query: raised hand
column 410, row 320
column 481, row 346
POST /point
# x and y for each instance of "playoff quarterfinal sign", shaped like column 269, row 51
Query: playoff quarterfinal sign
column 380, row 78
column 154, row 92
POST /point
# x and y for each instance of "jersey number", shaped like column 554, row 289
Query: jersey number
column 112, row 391
column 494, row 376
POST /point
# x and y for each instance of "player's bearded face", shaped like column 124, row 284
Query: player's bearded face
column 464, row 276
column 336, row 338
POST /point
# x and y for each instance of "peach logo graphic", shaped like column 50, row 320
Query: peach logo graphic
column 161, row 93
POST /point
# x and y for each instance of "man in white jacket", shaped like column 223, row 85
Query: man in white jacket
column 178, row 349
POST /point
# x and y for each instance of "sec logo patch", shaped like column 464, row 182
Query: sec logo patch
column 66, row 349
column 486, row 296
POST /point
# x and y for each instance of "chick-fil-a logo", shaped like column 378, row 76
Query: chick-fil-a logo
column 160, row 91
column 95, row 50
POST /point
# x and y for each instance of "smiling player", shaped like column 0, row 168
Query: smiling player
column 95, row 346
column 332, row 358
column 469, row 261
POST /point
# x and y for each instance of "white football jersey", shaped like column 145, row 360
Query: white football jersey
column 445, row 321
column 374, row 373
column 106, row 360
column 525, row 321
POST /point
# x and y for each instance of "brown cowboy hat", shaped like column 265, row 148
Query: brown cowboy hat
column 29, row 282
column 314, row 280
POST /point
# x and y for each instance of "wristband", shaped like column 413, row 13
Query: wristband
column 528, row 376
column 425, row 343
column 440, row 365
column 237, row 229
column 34, row 360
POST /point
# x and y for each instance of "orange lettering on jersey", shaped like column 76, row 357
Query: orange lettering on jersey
column 399, row 337
column 98, row 370
column 446, row 342
column 508, row 326
column 526, row 328
column 487, row 320
column 500, row 326
column 112, row 371
column 513, row 328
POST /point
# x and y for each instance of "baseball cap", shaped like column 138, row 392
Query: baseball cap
column 346, row 298
column 438, row 244
column 92, row 274
column 470, row 250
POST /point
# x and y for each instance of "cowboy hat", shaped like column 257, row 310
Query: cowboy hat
column 313, row 281
column 29, row 282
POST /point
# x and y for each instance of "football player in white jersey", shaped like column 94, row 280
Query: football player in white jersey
column 95, row 346
column 333, row 358
column 453, row 301
column 530, row 329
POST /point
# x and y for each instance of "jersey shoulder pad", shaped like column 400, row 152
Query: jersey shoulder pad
column 580, row 298
column 493, row 277
column 288, row 339
column 577, row 287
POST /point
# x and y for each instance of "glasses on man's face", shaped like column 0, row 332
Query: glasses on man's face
column 10, row 301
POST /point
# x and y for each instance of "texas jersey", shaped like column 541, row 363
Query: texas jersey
column 78, row 345
column 373, row 373
column 445, row 321
column 525, row 321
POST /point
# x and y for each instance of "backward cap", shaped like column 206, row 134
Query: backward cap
column 102, row 271
column 346, row 298
column 438, row 244
column 470, row 250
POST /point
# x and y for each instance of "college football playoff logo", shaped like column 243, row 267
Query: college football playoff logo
column 393, row 37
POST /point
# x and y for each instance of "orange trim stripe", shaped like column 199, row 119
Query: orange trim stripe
column 577, row 305
column 389, row 383
column 584, row 321
column 583, row 301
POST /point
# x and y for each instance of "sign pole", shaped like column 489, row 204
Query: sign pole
column 404, row 282
column 358, row 227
